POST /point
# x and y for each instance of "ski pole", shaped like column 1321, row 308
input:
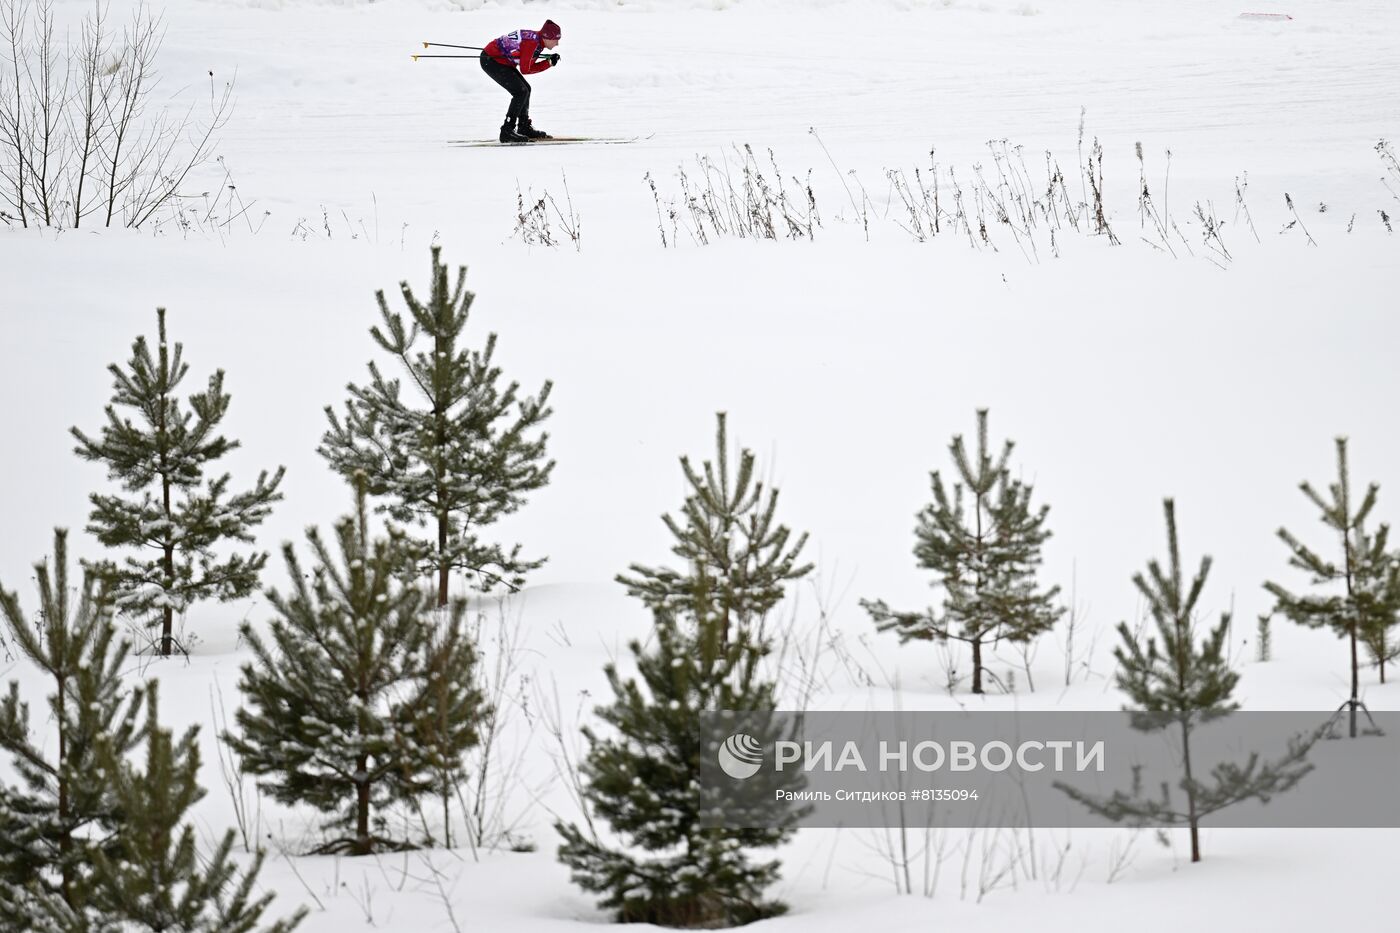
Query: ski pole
column 444, row 45
column 448, row 45
column 416, row 57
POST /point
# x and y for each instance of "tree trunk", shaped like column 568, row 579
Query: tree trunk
column 65, row 832
column 167, row 624
column 1355, row 700
column 442, row 727
column 1355, row 682
column 446, row 812
column 18, row 134
column 167, row 613
column 1191, row 816
column 977, row 639
column 441, row 399
column 977, row 665
column 444, row 565
column 363, row 844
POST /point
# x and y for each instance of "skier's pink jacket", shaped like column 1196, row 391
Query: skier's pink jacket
column 518, row 48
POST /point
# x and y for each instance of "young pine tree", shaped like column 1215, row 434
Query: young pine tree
column 360, row 697
column 726, row 536
column 1174, row 682
column 1380, row 639
column 171, row 518
column 152, row 878
column 455, row 455
column 60, row 814
column 644, row 779
column 984, row 545
column 1360, row 600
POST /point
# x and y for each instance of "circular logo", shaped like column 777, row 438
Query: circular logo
column 740, row 756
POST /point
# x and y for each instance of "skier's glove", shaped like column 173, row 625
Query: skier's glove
column 552, row 58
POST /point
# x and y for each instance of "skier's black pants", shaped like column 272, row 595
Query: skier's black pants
column 514, row 83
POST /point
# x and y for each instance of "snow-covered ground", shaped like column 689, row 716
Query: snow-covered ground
column 1123, row 373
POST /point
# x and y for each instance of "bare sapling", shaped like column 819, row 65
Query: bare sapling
column 496, row 797
column 80, row 133
column 247, row 813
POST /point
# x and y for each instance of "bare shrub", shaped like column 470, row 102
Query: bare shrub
column 1003, row 199
column 735, row 197
column 532, row 220
column 80, row 137
column 532, row 224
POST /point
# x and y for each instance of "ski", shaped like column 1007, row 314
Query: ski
column 552, row 141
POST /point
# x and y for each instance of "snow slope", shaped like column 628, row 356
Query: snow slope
column 846, row 363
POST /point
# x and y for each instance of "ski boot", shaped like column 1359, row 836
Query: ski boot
column 509, row 134
column 527, row 129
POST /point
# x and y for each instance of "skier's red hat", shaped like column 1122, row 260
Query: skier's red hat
column 550, row 30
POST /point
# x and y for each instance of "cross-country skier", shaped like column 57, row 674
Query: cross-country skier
column 520, row 49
